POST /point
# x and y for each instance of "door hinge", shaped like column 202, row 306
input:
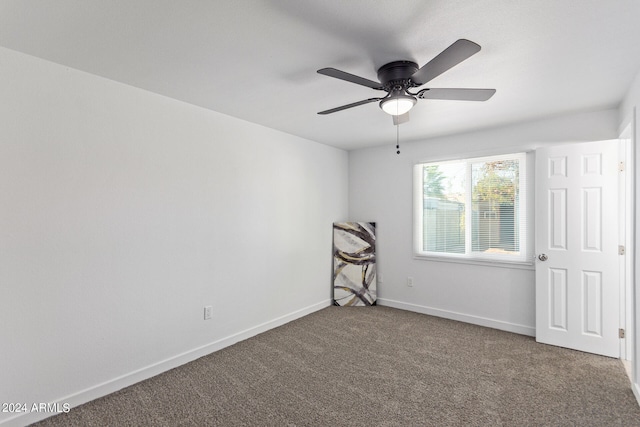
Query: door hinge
column 621, row 333
column 621, row 250
column 621, row 167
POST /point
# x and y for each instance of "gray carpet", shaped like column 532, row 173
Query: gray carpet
column 376, row 366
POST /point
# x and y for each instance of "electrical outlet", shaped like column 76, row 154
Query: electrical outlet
column 208, row 310
column 410, row 281
column 380, row 279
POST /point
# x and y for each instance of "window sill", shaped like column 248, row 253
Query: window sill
column 520, row 265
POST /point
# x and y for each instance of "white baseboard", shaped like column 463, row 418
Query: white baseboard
column 452, row 315
column 636, row 391
column 147, row 372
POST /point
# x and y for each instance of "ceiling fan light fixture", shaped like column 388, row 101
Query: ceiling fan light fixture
column 398, row 105
column 398, row 77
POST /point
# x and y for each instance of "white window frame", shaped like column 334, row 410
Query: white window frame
column 522, row 260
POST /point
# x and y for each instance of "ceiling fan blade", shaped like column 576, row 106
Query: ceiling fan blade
column 448, row 58
column 457, row 94
column 344, row 107
column 402, row 118
column 332, row 72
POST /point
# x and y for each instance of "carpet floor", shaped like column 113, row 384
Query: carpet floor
column 376, row 366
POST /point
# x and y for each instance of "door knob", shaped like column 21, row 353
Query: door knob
column 543, row 257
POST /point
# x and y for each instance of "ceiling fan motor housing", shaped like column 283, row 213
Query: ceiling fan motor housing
column 397, row 73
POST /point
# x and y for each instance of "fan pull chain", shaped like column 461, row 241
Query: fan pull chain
column 398, row 138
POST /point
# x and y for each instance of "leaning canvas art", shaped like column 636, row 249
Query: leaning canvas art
column 354, row 263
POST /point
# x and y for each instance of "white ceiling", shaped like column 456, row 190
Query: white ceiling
column 257, row 59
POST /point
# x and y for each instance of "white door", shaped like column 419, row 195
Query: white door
column 577, row 273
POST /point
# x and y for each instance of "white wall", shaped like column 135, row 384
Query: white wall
column 381, row 190
column 123, row 213
column 629, row 113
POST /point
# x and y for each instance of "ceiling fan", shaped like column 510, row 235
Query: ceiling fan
column 398, row 77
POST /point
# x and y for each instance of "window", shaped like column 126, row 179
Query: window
column 472, row 209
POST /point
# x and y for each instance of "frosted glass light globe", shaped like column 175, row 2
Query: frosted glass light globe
column 397, row 105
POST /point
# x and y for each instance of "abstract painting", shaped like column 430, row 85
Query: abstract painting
column 354, row 263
